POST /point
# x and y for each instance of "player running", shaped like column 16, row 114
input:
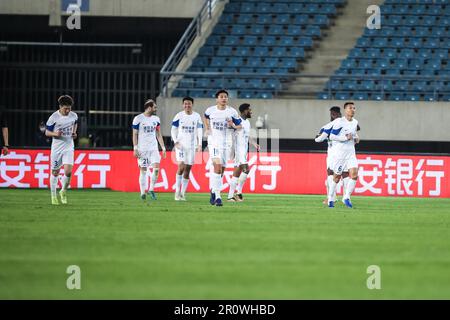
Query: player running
column 146, row 135
column 221, row 121
column 187, row 134
column 241, row 169
column 344, row 137
column 62, row 128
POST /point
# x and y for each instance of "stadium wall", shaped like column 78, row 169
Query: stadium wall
column 116, row 8
column 302, row 119
column 276, row 173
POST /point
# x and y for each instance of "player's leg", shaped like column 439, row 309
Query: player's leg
column 189, row 161
column 353, row 174
column 56, row 163
column 242, row 178
column 328, row 182
column 178, row 178
column 234, row 182
column 143, row 163
column 345, row 180
column 185, row 181
column 337, row 167
column 67, row 161
column 216, row 176
column 155, row 159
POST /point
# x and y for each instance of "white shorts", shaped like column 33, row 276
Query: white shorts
column 223, row 154
column 339, row 165
column 58, row 159
column 241, row 155
column 147, row 158
column 186, row 155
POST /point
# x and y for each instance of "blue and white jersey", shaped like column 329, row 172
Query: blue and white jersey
column 147, row 127
column 221, row 134
column 327, row 130
column 243, row 135
column 189, row 126
column 58, row 122
column 342, row 127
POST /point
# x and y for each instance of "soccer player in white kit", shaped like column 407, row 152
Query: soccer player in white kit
column 187, row 134
column 242, row 140
column 146, row 135
column 335, row 112
column 344, row 137
column 221, row 121
column 62, row 127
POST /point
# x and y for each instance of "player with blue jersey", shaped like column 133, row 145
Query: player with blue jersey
column 187, row 134
column 221, row 121
column 344, row 137
column 241, row 168
column 62, row 128
column 146, row 135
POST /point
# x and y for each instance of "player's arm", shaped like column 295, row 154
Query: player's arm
column 235, row 123
column 174, row 131
column 5, row 134
column 356, row 138
column 199, row 136
column 336, row 136
column 50, row 130
column 253, row 143
column 322, row 136
column 206, row 123
column 160, row 139
column 135, row 136
column 74, row 130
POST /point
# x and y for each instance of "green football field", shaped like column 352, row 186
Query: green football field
column 268, row 247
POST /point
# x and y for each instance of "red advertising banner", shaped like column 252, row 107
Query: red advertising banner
column 295, row 173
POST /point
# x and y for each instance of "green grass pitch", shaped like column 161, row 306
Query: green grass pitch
column 268, row 247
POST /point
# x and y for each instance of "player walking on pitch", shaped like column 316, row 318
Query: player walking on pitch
column 242, row 141
column 221, row 121
column 146, row 135
column 344, row 137
column 187, row 134
column 62, row 127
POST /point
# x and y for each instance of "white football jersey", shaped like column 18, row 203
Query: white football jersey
column 327, row 129
column 66, row 124
column 342, row 127
column 243, row 135
column 221, row 134
column 188, row 126
column 147, row 127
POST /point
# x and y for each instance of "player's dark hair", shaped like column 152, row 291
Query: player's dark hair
column 243, row 107
column 347, row 103
column 188, row 99
column 335, row 109
column 149, row 103
column 221, row 91
column 65, row 100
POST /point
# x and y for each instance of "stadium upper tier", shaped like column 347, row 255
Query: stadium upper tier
column 258, row 38
column 406, row 59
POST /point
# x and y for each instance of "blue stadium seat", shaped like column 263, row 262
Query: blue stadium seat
column 286, row 41
column 228, row 19
column 250, row 41
column 301, row 19
column 261, row 51
column 342, row 96
column 245, row 19
column 221, row 29
column 218, row 62
column 294, row 30
column 396, row 96
column 321, row 20
column 280, row 8
column 206, row 51
column 238, row 29
column 279, row 52
column 248, row 7
column 264, row 19
column 268, row 41
column 254, row 62
column 245, row 94
column 276, row 30
column 224, row 51
column 424, row 53
column 231, row 41
column 357, row 53
column 367, row 85
column 284, row 19
column 305, row 42
column 296, row 8
column 361, row 96
column 264, row 95
column 213, row 41
column 350, row 85
column 296, row 52
column 257, row 29
column 241, row 51
column 313, row 31
column 235, row 62
column 273, row 84
column 263, row 7
column 289, row 63
column 271, row 62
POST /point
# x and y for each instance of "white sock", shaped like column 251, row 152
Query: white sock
column 329, row 181
column 65, row 182
column 216, row 184
column 233, row 184
column 154, row 178
column 241, row 182
column 53, row 184
column 345, row 185
column 350, row 187
column 184, row 186
column 143, row 181
column 178, row 182
column 332, row 191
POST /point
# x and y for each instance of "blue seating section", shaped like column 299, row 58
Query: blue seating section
column 257, row 38
column 407, row 59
